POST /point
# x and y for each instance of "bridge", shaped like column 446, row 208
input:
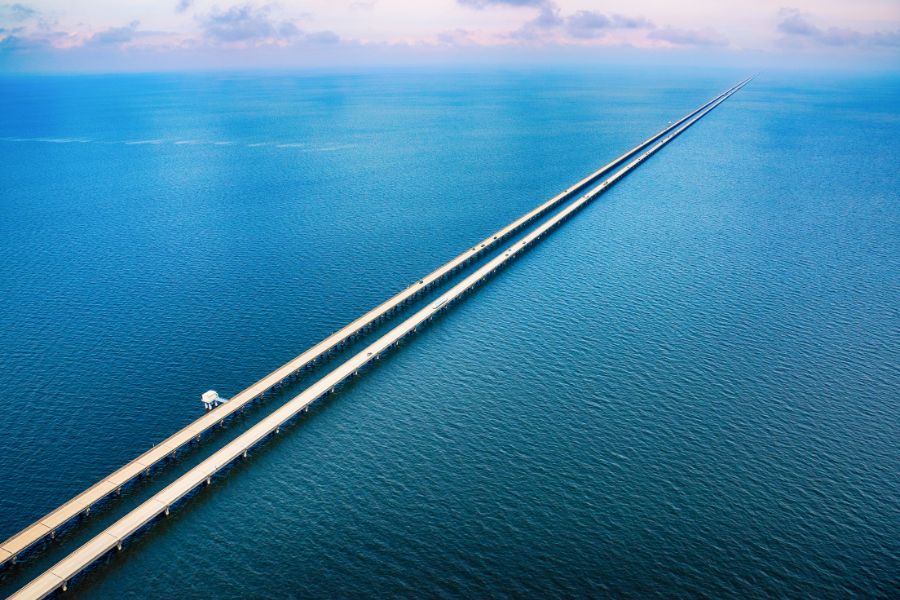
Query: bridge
column 161, row 503
column 80, row 505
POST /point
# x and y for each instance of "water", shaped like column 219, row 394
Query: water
column 689, row 389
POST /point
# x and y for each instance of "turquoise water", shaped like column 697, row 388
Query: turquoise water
column 690, row 389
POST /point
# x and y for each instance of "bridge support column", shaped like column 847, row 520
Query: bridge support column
column 209, row 481
column 167, row 511
column 119, row 546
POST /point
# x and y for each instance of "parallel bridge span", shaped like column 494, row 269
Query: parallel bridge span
column 58, row 576
column 80, row 505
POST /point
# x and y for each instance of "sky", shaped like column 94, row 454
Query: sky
column 142, row 35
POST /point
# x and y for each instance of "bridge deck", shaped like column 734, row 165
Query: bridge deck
column 160, row 503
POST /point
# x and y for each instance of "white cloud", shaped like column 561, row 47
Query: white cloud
column 798, row 26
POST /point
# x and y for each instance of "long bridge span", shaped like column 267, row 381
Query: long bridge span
column 57, row 577
column 80, row 505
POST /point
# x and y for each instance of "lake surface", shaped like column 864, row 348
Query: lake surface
column 690, row 389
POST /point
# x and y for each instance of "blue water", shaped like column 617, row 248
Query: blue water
column 690, row 389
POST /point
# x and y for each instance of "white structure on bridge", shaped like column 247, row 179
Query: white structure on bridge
column 212, row 399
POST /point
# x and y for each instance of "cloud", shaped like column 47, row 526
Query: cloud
column 245, row 23
column 583, row 24
column 18, row 40
column 688, row 37
column 287, row 30
column 547, row 17
column 590, row 24
column 183, row 5
column 534, row 29
column 115, row 36
column 796, row 23
column 797, row 26
column 22, row 39
column 457, row 37
column 322, row 37
column 884, row 38
column 15, row 43
column 17, row 12
column 631, row 22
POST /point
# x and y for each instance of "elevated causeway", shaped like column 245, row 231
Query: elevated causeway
column 57, row 577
